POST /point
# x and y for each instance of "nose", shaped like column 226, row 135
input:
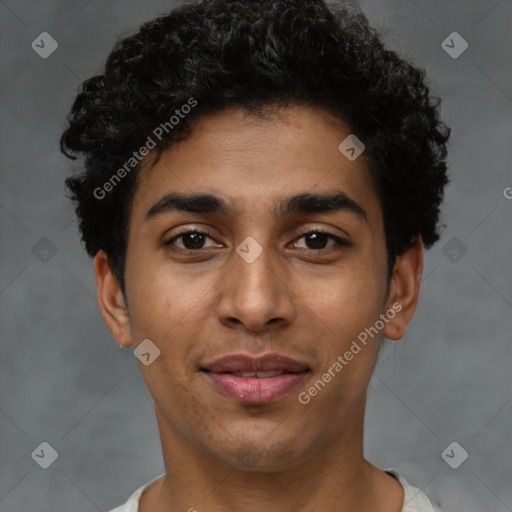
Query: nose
column 256, row 294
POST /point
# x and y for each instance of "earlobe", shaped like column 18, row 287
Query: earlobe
column 404, row 290
column 111, row 300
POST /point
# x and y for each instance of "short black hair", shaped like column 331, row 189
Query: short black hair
column 259, row 55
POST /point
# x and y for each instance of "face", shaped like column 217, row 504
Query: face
column 255, row 275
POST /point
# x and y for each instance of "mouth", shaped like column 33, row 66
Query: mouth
column 260, row 375
column 247, row 379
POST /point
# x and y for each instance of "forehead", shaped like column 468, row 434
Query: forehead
column 252, row 163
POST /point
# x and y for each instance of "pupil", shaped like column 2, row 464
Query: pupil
column 319, row 238
column 199, row 240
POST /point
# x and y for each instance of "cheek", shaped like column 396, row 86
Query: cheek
column 167, row 304
column 338, row 311
column 350, row 296
column 152, row 301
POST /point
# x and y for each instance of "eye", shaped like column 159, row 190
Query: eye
column 318, row 238
column 191, row 239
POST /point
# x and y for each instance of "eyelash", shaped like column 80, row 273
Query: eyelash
column 339, row 241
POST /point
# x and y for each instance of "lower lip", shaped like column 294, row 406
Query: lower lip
column 255, row 389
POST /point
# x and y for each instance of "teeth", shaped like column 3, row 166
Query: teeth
column 270, row 373
column 261, row 375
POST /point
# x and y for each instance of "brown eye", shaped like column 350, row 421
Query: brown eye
column 191, row 240
column 317, row 240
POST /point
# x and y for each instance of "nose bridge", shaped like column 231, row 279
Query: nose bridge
column 253, row 291
column 254, row 262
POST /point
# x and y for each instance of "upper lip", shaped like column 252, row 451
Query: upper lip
column 248, row 363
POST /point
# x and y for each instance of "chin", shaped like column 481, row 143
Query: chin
column 258, row 454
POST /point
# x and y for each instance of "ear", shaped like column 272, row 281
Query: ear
column 404, row 290
column 111, row 300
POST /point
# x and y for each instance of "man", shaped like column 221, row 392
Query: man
column 261, row 178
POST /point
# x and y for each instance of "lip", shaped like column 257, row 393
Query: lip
column 247, row 363
column 255, row 389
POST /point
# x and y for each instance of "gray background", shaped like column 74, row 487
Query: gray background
column 63, row 378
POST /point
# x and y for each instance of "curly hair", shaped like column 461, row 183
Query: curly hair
column 258, row 54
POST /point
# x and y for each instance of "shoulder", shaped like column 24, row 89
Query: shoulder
column 132, row 504
column 414, row 499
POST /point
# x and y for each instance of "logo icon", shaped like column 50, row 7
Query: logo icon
column 45, row 455
column 454, row 45
column 44, row 250
column 249, row 249
column 351, row 147
column 454, row 250
column 146, row 352
column 44, row 45
column 454, row 455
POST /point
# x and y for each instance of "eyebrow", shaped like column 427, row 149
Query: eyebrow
column 300, row 203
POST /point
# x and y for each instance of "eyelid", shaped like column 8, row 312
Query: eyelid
column 201, row 231
column 326, row 231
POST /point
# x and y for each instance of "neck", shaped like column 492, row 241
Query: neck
column 332, row 477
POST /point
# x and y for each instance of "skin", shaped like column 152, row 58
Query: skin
column 302, row 300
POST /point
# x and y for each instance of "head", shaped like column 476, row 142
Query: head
column 225, row 119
